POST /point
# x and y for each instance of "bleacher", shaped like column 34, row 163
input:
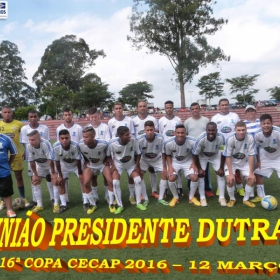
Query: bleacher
column 273, row 111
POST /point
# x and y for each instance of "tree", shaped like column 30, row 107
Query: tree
column 211, row 86
column 249, row 97
column 63, row 65
column 274, row 92
column 132, row 93
column 244, row 84
column 177, row 29
column 14, row 91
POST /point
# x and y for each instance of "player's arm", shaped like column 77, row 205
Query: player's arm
column 170, row 169
column 251, row 178
column 196, row 165
column 258, row 163
column 58, row 168
column 221, row 170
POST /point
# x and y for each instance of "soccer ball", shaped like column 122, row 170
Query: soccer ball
column 269, row 202
column 18, row 203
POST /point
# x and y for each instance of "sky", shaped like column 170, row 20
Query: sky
column 251, row 38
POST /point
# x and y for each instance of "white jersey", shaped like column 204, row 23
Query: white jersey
column 96, row 155
column 240, row 150
column 26, row 129
column 114, row 124
column 151, row 151
column 225, row 123
column 40, row 155
column 180, row 153
column 252, row 127
column 123, row 155
column 205, row 148
column 271, row 144
column 167, row 127
column 101, row 131
column 69, row 157
column 75, row 132
column 139, row 124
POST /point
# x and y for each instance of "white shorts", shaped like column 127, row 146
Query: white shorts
column 268, row 166
column 43, row 172
column 157, row 165
column 66, row 173
column 245, row 169
column 128, row 170
column 215, row 160
column 97, row 169
column 185, row 167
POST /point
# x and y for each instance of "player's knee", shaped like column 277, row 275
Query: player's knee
column 137, row 180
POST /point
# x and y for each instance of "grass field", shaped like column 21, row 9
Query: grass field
column 173, row 255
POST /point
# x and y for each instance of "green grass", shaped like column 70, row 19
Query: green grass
column 173, row 255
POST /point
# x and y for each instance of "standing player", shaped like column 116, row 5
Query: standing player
column 75, row 131
column 167, row 125
column 240, row 153
column 94, row 152
column 6, row 184
column 123, row 150
column 11, row 128
column 139, row 126
column 67, row 158
column 114, row 123
column 33, row 118
column 178, row 150
column 205, row 151
column 268, row 138
column 39, row 155
column 151, row 146
column 226, row 121
column 195, row 125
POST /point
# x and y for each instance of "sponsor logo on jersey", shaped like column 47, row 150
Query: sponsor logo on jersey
column 144, row 148
column 169, row 133
column 209, row 154
column 94, row 160
column 136, row 125
column 226, row 129
column 239, row 156
column 141, row 132
column 270, row 149
column 41, row 160
column 180, row 158
column 150, row 155
column 125, row 159
column 69, row 160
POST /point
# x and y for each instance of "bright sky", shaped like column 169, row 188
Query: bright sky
column 251, row 38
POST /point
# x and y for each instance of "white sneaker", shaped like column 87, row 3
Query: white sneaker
column 203, row 202
column 223, row 202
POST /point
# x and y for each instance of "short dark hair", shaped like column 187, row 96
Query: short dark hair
column 33, row 132
column 122, row 130
column 180, row 126
column 211, row 123
column 63, row 132
column 33, row 111
column 223, row 99
column 141, row 101
column 89, row 129
column 240, row 124
column 264, row 117
column 169, row 102
column 195, row 104
column 92, row 110
column 118, row 103
column 66, row 109
column 149, row 123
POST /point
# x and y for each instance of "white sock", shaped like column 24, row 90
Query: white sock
column 50, row 188
column 231, row 192
column 90, row 197
column 85, row 199
column 138, row 187
column 38, row 195
column 260, row 191
column 173, row 188
column 117, row 192
column 248, row 191
column 162, row 187
column 144, row 190
column 131, row 190
column 221, row 186
column 63, row 199
column 111, row 197
column 95, row 192
column 67, row 190
column 179, row 180
column 106, row 191
column 153, row 181
column 201, row 188
column 193, row 189
column 56, row 195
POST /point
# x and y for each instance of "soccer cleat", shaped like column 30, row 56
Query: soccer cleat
column 112, row 208
column 165, row 193
column 52, row 202
column 141, row 207
column 11, row 214
column 173, row 202
column 203, row 202
column 209, row 194
column 231, row 203
column 249, row 203
column 256, row 199
column 55, row 208
column 91, row 209
column 62, row 208
column 180, row 191
column 155, row 195
column 2, row 205
column 132, row 200
column 222, row 202
column 37, row 209
column 26, row 202
column 195, row 201
column 241, row 191
column 85, row 206
column 163, row 202
column 218, row 192
column 145, row 203
column 32, row 204
column 119, row 210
